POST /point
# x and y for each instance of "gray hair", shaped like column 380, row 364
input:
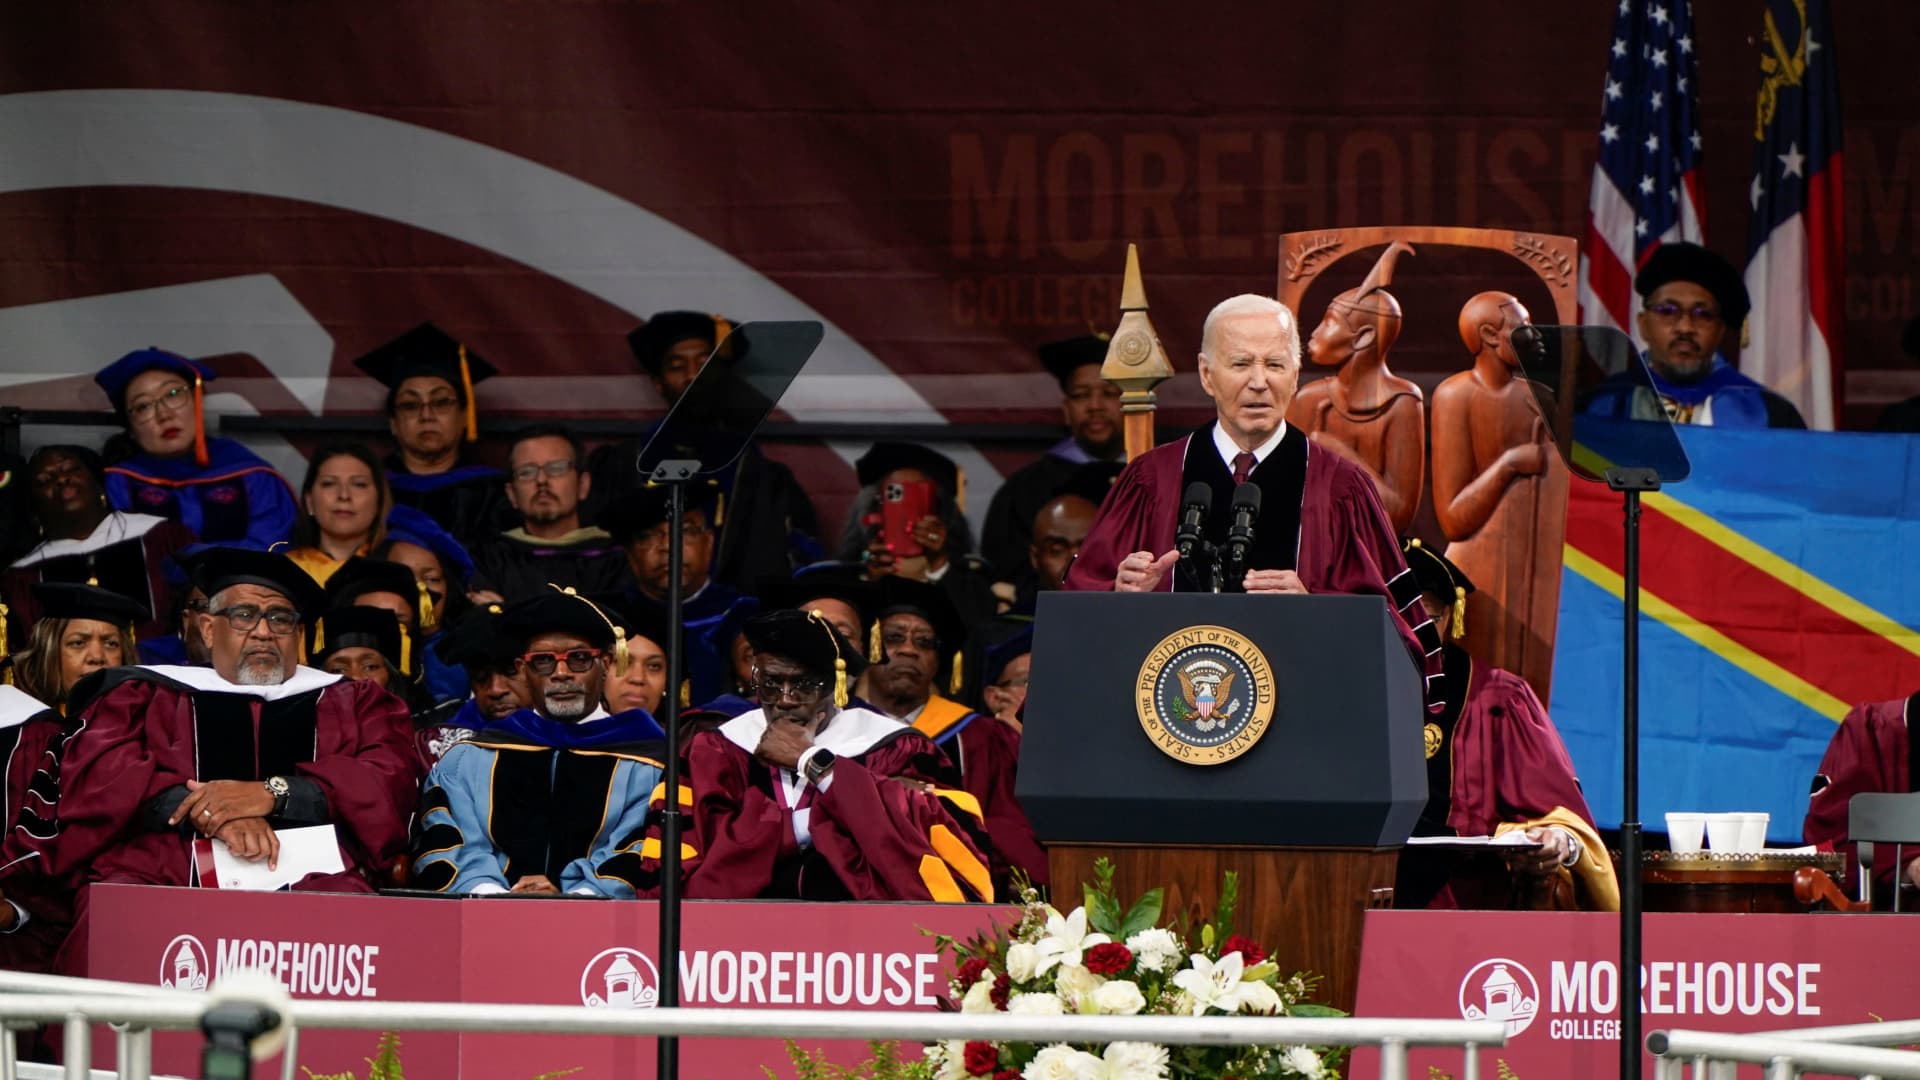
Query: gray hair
column 1250, row 304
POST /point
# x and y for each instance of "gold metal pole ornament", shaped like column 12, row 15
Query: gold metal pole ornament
column 1135, row 361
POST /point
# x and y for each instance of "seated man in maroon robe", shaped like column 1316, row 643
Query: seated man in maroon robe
column 919, row 638
column 162, row 755
column 1495, row 764
column 804, row 798
column 1320, row 527
column 1871, row 752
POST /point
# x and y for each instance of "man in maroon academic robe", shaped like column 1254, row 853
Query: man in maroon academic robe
column 162, row 755
column 1321, row 526
column 1871, row 752
column 804, row 798
column 1495, row 764
column 32, row 921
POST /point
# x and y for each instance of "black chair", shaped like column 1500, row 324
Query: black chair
column 1881, row 818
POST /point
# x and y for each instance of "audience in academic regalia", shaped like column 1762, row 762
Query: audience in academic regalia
column 938, row 545
column 84, row 539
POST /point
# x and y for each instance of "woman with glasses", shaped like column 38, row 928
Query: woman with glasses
column 220, row 490
column 343, row 509
column 83, row 538
column 431, row 414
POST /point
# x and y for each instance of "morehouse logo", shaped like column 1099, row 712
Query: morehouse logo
column 1582, row 1002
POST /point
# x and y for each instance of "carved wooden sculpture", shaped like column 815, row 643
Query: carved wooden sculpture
column 1500, row 494
column 1366, row 413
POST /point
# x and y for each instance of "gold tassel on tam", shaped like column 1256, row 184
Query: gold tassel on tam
column 6, row 677
column 620, row 653
column 319, row 637
column 406, row 652
column 466, row 387
column 875, row 652
column 686, row 693
column 840, row 697
column 719, row 509
column 957, row 678
column 1459, row 612
column 427, row 622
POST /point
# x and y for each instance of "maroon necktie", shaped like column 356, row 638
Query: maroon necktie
column 1243, row 466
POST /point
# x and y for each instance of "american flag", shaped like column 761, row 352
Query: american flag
column 1794, row 260
column 1646, row 183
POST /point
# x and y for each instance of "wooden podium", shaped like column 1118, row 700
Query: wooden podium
column 1310, row 812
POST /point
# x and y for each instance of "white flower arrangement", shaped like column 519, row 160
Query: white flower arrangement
column 1101, row 959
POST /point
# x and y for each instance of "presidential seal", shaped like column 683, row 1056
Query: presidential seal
column 1205, row 695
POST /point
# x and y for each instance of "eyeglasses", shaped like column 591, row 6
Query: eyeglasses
column 546, row 663
column 527, row 474
column 1010, row 684
column 1671, row 312
column 244, row 617
column 439, row 403
column 174, row 397
column 799, row 688
column 893, row 639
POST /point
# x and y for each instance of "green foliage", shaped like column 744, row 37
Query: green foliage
column 884, row 1063
column 1229, row 899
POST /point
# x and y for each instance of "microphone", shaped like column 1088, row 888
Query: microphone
column 1193, row 519
column 1246, row 508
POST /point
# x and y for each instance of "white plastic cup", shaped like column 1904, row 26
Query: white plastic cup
column 1684, row 832
column 1753, row 831
column 1723, row 833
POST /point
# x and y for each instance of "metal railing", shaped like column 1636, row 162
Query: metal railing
column 1862, row 1050
column 137, row 1011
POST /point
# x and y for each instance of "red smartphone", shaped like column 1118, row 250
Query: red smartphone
column 902, row 505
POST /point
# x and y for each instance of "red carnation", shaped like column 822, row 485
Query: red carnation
column 970, row 972
column 1111, row 958
column 982, row 1059
column 1002, row 990
column 1006, row 1074
column 1250, row 953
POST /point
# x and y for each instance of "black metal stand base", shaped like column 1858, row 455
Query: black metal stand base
column 1631, row 483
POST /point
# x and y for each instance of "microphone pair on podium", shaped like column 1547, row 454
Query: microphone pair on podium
column 1216, row 567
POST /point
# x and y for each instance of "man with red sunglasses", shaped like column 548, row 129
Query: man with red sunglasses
column 552, row 798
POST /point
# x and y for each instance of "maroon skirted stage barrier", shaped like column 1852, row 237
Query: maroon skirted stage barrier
column 1552, row 977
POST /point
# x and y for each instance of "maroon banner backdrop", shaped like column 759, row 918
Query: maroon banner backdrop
column 1554, row 978
column 286, row 184
column 514, row 950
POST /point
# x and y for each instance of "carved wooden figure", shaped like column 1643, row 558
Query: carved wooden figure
column 1366, row 413
column 1500, row 494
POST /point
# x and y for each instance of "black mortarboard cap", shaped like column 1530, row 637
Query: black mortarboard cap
column 651, row 340
column 360, row 575
column 70, row 600
column 630, row 515
column 1063, row 358
column 885, row 457
column 637, row 618
column 1680, row 261
column 561, row 611
column 930, row 602
column 218, row 568
column 428, row 350
column 1437, row 575
column 365, row 627
column 1910, row 339
column 477, row 638
column 810, row 642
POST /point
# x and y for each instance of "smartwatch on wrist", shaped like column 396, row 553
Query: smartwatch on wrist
column 816, row 764
column 281, row 790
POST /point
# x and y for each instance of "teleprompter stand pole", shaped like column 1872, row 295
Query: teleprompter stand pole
column 1630, row 483
column 674, row 475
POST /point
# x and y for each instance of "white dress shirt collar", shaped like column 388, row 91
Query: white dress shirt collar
column 1229, row 449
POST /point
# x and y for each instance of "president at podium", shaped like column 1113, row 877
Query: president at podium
column 1251, row 504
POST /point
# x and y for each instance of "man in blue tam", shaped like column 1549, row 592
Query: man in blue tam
column 1691, row 298
column 554, row 798
column 223, row 492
